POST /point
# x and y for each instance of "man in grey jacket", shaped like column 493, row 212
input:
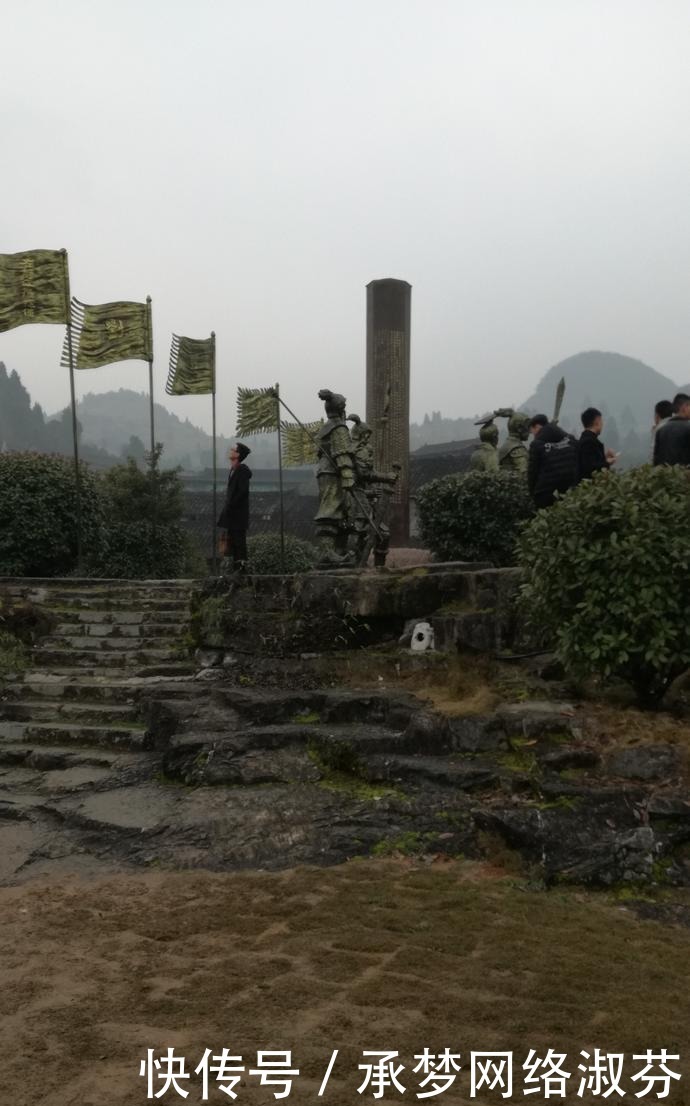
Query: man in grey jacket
column 672, row 440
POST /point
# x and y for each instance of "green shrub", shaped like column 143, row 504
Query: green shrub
column 143, row 537
column 38, row 514
column 606, row 575
column 476, row 516
column 264, row 555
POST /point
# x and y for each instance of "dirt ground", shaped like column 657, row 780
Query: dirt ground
column 371, row 955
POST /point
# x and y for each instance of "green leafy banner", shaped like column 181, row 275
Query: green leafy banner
column 257, row 411
column 299, row 445
column 192, row 366
column 33, row 288
column 108, row 332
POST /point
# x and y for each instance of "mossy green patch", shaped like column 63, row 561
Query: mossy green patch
column 409, row 843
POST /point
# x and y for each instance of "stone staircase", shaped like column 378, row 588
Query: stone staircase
column 113, row 757
column 77, row 715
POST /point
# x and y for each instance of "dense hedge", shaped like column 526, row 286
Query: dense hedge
column 474, row 517
column 264, row 555
column 607, row 577
column 38, row 514
column 131, row 520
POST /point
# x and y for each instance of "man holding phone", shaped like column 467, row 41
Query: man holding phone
column 592, row 456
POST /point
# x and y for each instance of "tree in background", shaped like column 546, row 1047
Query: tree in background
column 143, row 532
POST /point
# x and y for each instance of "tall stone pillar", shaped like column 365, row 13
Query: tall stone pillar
column 388, row 389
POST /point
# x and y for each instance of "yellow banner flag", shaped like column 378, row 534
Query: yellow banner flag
column 299, row 445
column 33, row 288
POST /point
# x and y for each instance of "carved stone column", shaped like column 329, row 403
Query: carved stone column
column 388, row 389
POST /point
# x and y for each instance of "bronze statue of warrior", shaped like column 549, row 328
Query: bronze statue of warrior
column 485, row 456
column 512, row 456
column 336, row 478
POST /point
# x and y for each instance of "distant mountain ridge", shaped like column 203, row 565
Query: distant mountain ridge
column 110, row 419
column 621, row 387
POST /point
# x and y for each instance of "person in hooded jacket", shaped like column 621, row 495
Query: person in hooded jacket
column 234, row 518
column 552, row 463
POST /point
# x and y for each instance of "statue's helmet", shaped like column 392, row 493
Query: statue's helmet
column 518, row 425
column 489, row 433
column 334, row 402
column 360, row 430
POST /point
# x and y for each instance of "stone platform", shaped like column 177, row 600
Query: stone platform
column 469, row 605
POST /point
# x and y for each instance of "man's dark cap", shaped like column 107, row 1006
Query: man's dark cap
column 539, row 420
column 243, row 450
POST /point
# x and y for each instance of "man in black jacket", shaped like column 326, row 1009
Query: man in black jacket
column 591, row 452
column 234, row 518
column 672, row 440
column 552, row 461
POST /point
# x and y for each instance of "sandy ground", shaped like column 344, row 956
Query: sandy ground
column 385, row 955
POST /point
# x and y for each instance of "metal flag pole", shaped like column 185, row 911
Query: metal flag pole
column 280, row 483
column 214, row 544
column 150, row 351
column 75, row 428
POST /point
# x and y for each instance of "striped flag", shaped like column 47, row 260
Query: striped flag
column 33, row 288
column 109, row 332
column 192, row 366
column 257, row 411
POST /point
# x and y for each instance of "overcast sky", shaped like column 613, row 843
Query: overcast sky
column 252, row 164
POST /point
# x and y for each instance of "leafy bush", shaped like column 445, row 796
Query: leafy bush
column 38, row 514
column 143, row 537
column 607, row 576
column 264, row 555
column 474, row 517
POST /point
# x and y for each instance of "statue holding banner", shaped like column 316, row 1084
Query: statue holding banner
column 336, row 479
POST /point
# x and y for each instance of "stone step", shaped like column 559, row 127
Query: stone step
column 105, row 644
column 74, row 616
column 61, row 710
column 94, row 583
column 59, row 601
column 78, row 658
column 45, row 758
column 76, row 686
column 87, row 669
column 318, row 706
column 130, row 736
column 96, row 630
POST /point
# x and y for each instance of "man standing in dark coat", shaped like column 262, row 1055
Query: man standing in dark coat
column 592, row 455
column 672, row 440
column 551, row 463
column 234, row 518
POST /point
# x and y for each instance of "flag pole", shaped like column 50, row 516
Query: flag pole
column 75, row 428
column 280, row 482
column 214, row 554
column 150, row 351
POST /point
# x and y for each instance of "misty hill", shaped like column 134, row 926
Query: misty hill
column 113, row 421
column 621, row 387
column 23, row 424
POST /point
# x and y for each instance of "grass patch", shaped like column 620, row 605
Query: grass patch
column 306, row 718
column 407, row 844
